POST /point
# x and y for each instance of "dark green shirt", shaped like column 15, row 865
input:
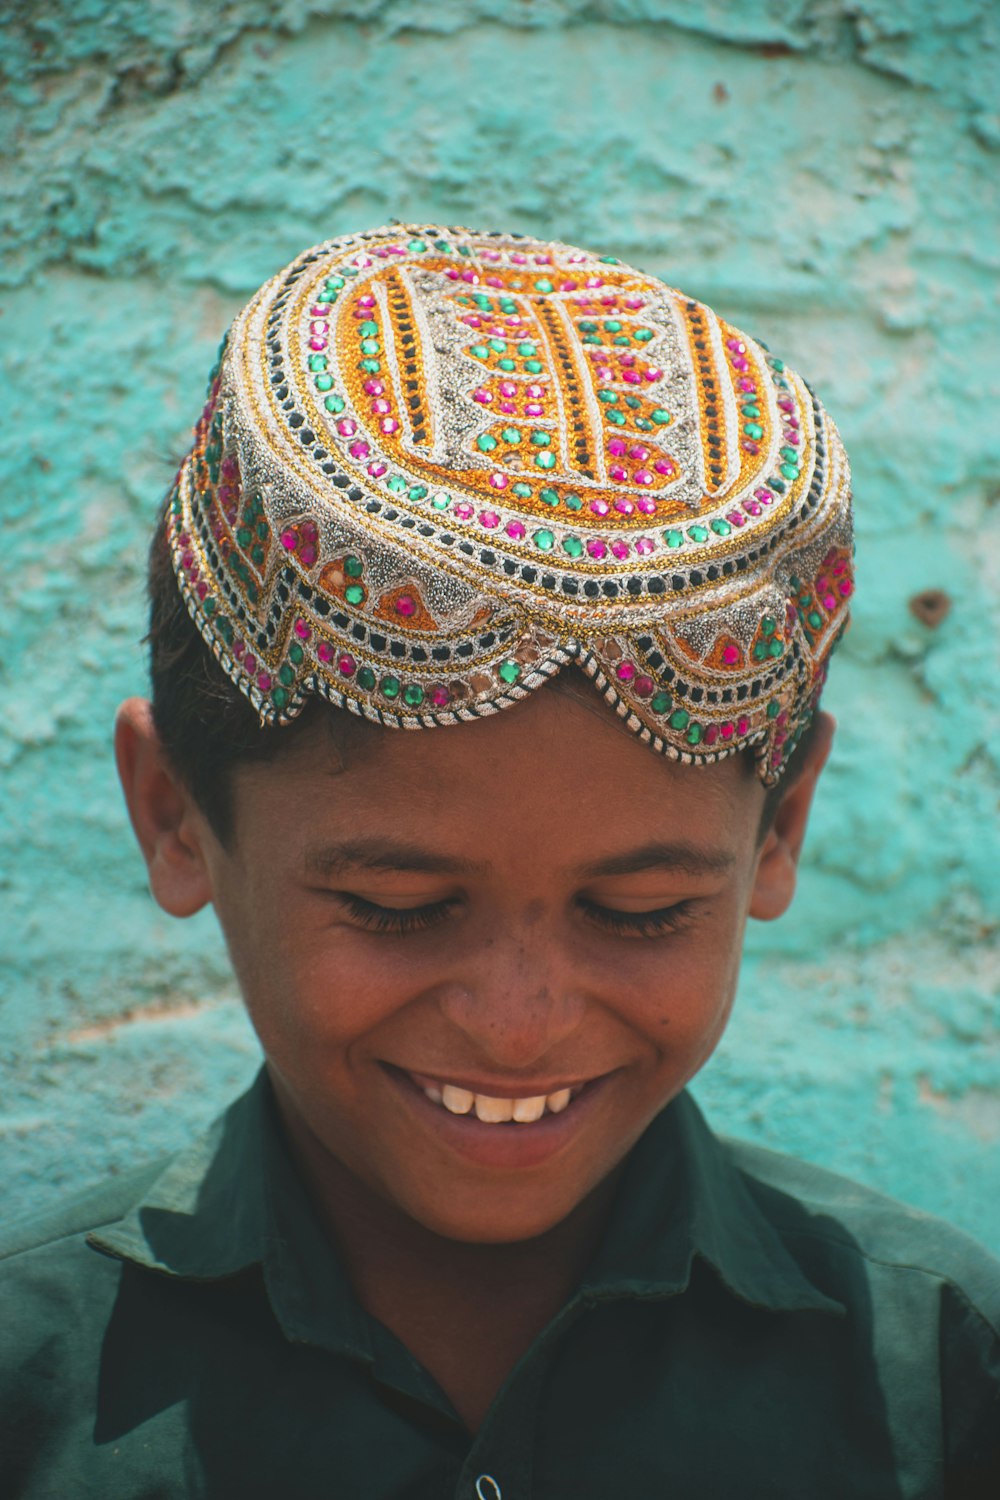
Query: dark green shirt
column 750, row 1327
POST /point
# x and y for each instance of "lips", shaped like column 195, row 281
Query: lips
column 485, row 1130
column 494, row 1108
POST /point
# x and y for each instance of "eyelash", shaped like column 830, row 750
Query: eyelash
column 645, row 924
column 641, row 923
column 390, row 919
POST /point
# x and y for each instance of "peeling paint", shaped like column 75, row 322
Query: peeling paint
column 977, row 1111
column 824, row 174
column 163, row 1013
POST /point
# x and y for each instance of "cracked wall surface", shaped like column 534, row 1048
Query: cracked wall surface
column 825, row 175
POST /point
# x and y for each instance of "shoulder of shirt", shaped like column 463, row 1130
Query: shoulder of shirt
column 73, row 1218
column 804, row 1202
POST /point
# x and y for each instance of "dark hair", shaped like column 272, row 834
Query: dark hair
column 208, row 727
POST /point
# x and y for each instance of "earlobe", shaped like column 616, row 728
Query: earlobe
column 166, row 822
column 778, row 860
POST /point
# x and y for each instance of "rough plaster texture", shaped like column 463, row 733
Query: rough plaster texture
column 825, row 174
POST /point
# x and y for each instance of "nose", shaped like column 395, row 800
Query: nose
column 517, row 997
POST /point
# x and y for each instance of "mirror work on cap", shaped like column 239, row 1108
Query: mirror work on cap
column 437, row 466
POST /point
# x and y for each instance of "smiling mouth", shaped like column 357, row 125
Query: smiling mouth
column 492, row 1109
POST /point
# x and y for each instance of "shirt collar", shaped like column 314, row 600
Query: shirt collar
column 205, row 1215
column 234, row 1201
column 681, row 1198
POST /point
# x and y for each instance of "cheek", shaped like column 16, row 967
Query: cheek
column 680, row 991
column 311, row 988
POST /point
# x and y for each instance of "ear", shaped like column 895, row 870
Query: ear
column 167, row 823
column 778, row 860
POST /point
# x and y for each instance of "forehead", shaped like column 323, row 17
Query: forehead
column 558, row 775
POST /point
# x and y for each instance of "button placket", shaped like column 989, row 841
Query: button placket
column 500, row 1463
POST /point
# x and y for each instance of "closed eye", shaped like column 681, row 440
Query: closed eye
column 408, row 919
column 398, row 919
column 643, row 924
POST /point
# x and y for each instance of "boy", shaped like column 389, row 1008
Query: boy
column 467, row 1234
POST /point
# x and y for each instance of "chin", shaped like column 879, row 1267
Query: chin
column 493, row 1219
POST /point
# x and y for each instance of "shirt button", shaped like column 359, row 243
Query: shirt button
column 487, row 1488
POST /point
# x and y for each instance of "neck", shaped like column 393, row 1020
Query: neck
column 442, row 1297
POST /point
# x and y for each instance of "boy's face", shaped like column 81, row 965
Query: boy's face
column 512, row 908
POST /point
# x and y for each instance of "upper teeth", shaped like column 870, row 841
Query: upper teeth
column 496, row 1111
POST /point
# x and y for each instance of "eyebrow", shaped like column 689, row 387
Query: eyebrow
column 384, row 854
column 687, row 859
column 329, row 860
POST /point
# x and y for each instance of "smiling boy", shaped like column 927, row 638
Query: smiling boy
column 467, row 1234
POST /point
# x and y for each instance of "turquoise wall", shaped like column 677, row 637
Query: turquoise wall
column 826, row 175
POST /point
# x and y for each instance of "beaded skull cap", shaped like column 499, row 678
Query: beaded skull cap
column 437, row 466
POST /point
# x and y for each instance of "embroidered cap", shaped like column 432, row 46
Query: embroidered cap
column 437, row 466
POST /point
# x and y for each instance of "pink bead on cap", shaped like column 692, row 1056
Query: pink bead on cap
column 436, row 467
